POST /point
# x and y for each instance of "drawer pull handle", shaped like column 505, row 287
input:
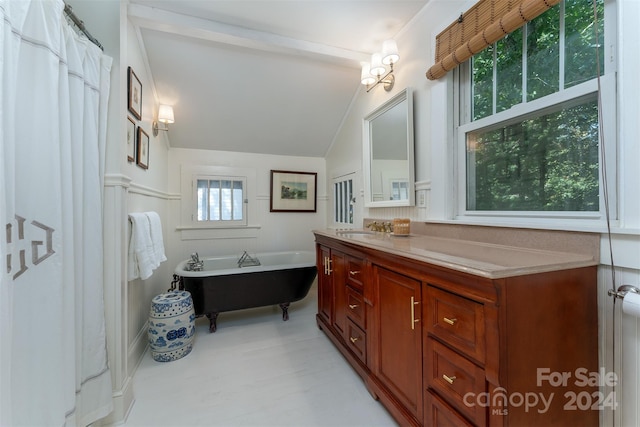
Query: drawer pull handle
column 353, row 340
column 352, row 306
column 450, row 380
column 413, row 313
column 450, row 321
column 353, row 273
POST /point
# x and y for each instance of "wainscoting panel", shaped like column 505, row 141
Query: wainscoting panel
column 619, row 349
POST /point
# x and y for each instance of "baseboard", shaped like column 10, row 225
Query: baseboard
column 123, row 401
column 137, row 350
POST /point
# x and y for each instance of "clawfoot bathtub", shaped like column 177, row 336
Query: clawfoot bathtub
column 280, row 279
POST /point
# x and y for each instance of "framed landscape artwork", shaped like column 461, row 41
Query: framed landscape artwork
column 293, row 191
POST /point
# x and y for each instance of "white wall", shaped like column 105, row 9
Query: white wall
column 128, row 188
column 433, row 154
column 147, row 192
column 276, row 231
column 415, row 46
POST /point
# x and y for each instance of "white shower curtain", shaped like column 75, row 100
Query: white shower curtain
column 53, row 98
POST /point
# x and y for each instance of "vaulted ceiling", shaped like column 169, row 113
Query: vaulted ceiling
column 272, row 77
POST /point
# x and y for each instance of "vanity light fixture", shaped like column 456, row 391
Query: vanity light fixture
column 165, row 115
column 375, row 72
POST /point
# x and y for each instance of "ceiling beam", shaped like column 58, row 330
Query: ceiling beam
column 190, row 26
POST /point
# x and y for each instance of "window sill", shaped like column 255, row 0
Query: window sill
column 582, row 225
column 191, row 232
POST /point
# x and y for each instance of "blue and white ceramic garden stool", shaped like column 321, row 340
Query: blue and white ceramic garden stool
column 171, row 326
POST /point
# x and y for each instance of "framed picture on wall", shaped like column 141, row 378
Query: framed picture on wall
column 131, row 139
column 134, row 100
column 142, row 157
column 293, row 191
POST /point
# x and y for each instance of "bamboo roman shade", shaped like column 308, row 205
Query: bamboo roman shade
column 484, row 24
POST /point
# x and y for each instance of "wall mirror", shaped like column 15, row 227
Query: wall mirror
column 388, row 153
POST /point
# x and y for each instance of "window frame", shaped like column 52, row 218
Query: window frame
column 197, row 230
column 344, row 206
column 219, row 223
column 462, row 124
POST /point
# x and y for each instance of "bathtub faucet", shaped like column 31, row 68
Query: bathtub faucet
column 195, row 264
column 242, row 258
column 246, row 260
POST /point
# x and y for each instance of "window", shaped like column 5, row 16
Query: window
column 399, row 189
column 343, row 200
column 528, row 132
column 216, row 202
column 221, row 200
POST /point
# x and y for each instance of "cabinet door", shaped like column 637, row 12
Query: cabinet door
column 339, row 292
column 398, row 340
column 325, row 285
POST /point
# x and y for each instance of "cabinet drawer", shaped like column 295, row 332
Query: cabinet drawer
column 458, row 321
column 438, row 414
column 453, row 377
column 356, row 340
column 355, row 307
column 355, row 273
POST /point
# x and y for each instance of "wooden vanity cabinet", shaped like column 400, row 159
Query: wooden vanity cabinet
column 341, row 303
column 442, row 347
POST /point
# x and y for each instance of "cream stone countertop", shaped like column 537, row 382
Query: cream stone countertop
column 488, row 260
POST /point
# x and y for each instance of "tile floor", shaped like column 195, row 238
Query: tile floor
column 256, row 370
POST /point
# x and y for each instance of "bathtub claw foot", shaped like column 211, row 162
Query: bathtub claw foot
column 213, row 317
column 285, row 311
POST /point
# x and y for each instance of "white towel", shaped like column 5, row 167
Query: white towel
column 156, row 238
column 141, row 253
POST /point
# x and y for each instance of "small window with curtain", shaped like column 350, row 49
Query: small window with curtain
column 220, row 200
column 343, row 200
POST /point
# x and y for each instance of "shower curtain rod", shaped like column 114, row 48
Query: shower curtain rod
column 78, row 23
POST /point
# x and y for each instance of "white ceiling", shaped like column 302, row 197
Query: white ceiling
column 272, row 77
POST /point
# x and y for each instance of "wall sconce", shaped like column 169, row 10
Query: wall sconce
column 372, row 73
column 165, row 115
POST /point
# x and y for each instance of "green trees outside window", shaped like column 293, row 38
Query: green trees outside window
column 544, row 159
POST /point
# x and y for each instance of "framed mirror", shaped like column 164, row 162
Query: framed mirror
column 388, row 153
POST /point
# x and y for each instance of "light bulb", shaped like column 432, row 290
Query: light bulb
column 390, row 52
column 365, row 77
column 377, row 68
